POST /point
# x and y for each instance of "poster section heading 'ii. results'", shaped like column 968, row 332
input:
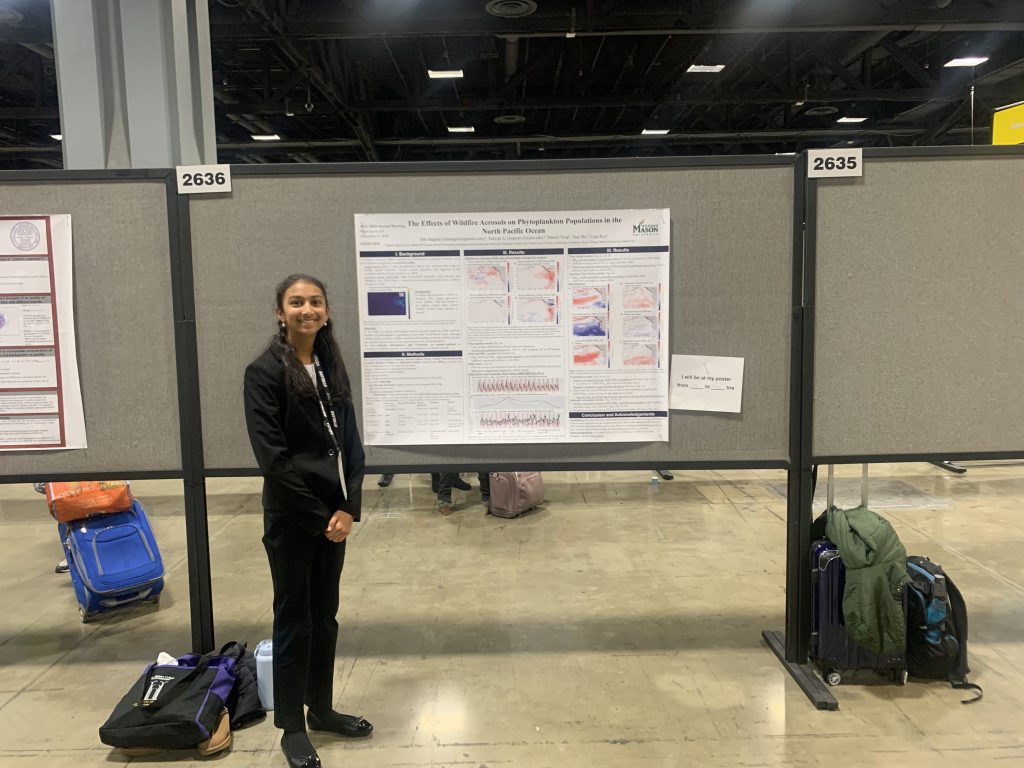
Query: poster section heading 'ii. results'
column 514, row 327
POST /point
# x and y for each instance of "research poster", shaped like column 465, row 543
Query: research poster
column 40, row 395
column 538, row 327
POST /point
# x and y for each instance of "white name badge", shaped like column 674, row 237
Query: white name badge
column 830, row 163
column 202, row 179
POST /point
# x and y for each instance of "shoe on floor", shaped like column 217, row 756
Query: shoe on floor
column 444, row 507
column 301, row 761
column 350, row 726
column 221, row 737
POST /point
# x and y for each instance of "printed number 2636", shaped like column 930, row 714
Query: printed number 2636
column 207, row 179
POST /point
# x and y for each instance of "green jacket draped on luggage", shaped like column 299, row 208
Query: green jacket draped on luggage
column 876, row 570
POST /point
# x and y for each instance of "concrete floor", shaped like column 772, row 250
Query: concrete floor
column 619, row 625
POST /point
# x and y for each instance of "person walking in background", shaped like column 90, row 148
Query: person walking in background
column 442, row 483
column 302, row 426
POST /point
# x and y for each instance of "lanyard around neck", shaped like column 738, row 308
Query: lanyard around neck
column 323, row 393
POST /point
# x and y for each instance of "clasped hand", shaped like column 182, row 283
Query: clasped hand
column 339, row 527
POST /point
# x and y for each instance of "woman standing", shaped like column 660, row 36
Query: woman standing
column 302, row 426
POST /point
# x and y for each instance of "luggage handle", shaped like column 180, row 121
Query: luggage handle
column 830, row 486
column 113, row 602
column 179, row 685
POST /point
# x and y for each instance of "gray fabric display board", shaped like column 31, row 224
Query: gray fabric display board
column 731, row 272
column 124, row 322
column 918, row 344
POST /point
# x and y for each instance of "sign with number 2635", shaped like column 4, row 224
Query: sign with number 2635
column 824, row 163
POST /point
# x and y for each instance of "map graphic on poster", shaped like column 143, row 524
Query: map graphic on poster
column 40, row 397
column 529, row 327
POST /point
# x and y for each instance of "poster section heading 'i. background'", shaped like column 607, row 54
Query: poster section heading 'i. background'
column 541, row 327
column 40, row 396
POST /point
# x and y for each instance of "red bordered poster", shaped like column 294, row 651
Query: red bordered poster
column 40, row 395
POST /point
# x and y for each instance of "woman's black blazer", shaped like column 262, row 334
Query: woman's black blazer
column 295, row 451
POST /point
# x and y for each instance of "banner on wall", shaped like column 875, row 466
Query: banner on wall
column 527, row 327
column 1008, row 125
column 40, row 395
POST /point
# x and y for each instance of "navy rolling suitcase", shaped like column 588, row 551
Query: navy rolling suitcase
column 831, row 648
column 113, row 561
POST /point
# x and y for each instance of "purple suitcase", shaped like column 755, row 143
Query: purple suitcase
column 513, row 493
column 831, row 647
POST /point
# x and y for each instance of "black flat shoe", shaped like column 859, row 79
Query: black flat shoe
column 350, row 726
column 302, row 761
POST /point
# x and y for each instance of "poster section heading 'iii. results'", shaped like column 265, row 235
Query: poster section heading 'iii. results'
column 541, row 327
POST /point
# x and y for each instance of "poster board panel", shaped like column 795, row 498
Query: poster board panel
column 731, row 272
column 125, row 324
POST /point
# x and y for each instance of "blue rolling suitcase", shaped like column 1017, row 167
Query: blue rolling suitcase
column 113, row 561
column 831, row 648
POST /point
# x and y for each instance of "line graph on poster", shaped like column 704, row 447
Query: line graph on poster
column 505, row 420
column 516, row 385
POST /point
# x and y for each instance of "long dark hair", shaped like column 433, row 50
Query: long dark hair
column 324, row 346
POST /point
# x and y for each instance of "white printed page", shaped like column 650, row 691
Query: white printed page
column 40, row 396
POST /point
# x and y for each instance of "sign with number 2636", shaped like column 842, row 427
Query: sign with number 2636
column 825, row 163
column 196, row 179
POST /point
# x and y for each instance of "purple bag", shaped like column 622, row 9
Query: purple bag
column 174, row 707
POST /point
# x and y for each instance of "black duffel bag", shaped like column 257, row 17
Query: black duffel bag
column 174, row 707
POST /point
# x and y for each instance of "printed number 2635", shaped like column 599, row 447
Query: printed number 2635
column 835, row 163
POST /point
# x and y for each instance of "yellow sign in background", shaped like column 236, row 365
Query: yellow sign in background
column 1008, row 125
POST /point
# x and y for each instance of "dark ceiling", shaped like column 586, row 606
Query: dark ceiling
column 347, row 80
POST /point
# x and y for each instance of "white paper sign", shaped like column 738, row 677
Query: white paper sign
column 704, row 383
column 830, row 163
column 201, row 179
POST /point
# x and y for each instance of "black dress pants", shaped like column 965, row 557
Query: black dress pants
column 306, row 571
column 442, row 482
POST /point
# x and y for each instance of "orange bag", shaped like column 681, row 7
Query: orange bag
column 73, row 501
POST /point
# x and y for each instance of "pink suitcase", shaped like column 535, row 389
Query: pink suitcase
column 513, row 493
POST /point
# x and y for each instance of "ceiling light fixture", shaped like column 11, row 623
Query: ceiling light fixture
column 851, row 120
column 654, row 131
column 265, row 137
column 444, row 74
column 967, row 61
column 511, row 9
column 461, row 129
column 709, row 68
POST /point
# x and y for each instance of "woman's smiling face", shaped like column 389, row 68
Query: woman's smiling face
column 304, row 310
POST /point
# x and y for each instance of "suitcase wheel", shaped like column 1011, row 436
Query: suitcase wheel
column 899, row 676
column 86, row 617
column 833, row 678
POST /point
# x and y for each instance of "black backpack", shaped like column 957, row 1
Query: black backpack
column 936, row 626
